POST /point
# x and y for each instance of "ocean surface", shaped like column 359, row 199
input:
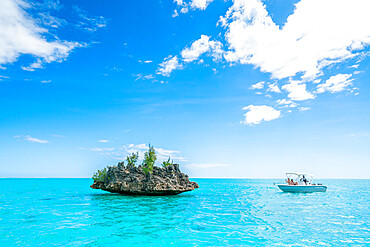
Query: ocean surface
column 222, row 212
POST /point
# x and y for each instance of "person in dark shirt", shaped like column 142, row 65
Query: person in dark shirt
column 304, row 180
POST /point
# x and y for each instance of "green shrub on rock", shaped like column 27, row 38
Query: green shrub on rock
column 132, row 159
column 149, row 159
column 100, row 175
column 168, row 162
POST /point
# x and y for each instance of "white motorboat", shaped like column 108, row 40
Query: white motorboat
column 301, row 183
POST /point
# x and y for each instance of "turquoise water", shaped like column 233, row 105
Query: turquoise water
column 223, row 212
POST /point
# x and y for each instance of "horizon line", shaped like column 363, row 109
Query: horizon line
column 189, row 177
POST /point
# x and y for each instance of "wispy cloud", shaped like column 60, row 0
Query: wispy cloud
column 286, row 103
column 304, row 108
column 96, row 149
column 189, row 54
column 3, row 77
column 122, row 151
column 175, row 13
column 58, row 136
column 103, row 141
column 34, row 140
column 201, row 46
column 117, row 69
column 162, row 153
column 273, row 87
column 143, row 77
column 168, row 65
column 38, row 64
column 145, row 61
column 205, row 165
column 335, row 83
column 258, row 85
column 192, row 4
column 90, row 23
column 51, row 21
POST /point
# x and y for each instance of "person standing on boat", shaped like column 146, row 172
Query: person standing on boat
column 304, row 180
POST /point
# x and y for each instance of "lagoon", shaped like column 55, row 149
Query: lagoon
column 222, row 212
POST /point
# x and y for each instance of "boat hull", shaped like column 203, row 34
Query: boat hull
column 302, row 188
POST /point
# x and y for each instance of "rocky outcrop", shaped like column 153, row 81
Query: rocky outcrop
column 133, row 181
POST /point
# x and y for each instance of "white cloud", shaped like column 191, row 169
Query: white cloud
column 200, row 4
column 317, row 34
column 89, row 23
column 335, row 83
column 194, row 4
column 168, row 65
column 103, row 141
column 175, row 13
column 258, row 85
column 286, row 103
column 184, row 10
column 357, row 72
column 304, row 108
column 121, row 152
column 33, row 66
column 117, row 69
column 201, row 46
column 34, row 140
column 257, row 114
column 297, row 91
column 51, row 21
column 3, row 77
column 102, row 149
column 143, row 77
column 178, row 2
column 192, row 53
column 274, row 88
column 145, row 61
column 20, row 34
column 205, row 165
column 162, row 154
column 45, row 81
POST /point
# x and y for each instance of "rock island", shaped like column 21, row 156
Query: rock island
column 145, row 179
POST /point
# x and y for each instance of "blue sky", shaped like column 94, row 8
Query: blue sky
column 238, row 88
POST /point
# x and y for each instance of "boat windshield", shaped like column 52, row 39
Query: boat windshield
column 299, row 178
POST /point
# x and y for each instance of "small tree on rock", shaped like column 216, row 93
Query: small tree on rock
column 132, row 159
column 149, row 159
column 100, row 175
column 168, row 162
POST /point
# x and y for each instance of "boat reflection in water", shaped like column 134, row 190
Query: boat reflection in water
column 301, row 183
